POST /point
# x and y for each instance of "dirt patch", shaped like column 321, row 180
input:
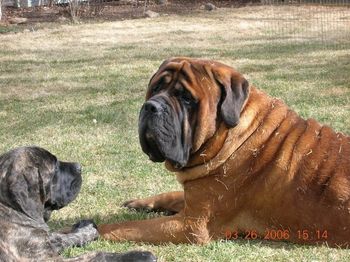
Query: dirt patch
column 108, row 11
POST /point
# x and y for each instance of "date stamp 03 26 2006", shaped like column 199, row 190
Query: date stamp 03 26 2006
column 278, row 234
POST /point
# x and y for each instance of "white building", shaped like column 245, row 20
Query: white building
column 25, row 3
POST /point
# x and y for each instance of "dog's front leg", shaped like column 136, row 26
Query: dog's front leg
column 169, row 202
column 82, row 233
column 174, row 229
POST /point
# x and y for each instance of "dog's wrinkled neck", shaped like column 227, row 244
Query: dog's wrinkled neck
column 225, row 142
column 210, row 148
column 207, row 151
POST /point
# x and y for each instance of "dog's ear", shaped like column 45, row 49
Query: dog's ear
column 234, row 92
column 24, row 188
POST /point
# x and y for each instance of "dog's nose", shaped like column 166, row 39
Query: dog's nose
column 152, row 107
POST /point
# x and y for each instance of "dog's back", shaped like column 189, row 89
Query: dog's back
column 293, row 174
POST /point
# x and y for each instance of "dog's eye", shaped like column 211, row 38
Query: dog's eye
column 186, row 97
column 156, row 89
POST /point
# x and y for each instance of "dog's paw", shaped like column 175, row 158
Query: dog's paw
column 146, row 205
column 139, row 205
column 84, row 225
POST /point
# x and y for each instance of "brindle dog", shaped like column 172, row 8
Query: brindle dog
column 33, row 183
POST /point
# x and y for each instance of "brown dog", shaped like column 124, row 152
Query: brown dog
column 249, row 165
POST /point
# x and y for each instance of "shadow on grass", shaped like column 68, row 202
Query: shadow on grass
column 31, row 119
column 337, row 70
column 128, row 93
column 123, row 216
column 131, row 215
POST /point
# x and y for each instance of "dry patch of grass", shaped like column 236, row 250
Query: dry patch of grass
column 55, row 82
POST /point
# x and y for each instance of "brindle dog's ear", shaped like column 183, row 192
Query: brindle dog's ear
column 24, row 188
column 234, row 92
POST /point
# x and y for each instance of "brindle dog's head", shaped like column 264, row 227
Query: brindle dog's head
column 186, row 101
column 35, row 183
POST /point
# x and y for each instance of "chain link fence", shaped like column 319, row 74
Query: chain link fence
column 325, row 22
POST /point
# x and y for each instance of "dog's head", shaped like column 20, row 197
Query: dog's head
column 35, row 183
column 186, row 101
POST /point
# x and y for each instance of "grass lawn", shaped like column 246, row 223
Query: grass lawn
column 77, row 90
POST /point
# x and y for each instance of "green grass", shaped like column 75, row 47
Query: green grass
column 54, row 82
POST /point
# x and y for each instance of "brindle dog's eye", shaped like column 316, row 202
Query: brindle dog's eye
column 57, row 168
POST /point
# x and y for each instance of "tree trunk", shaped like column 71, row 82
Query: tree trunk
column 0, row 9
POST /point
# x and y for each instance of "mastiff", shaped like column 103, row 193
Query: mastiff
column 249, row 165
column 33, row 183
